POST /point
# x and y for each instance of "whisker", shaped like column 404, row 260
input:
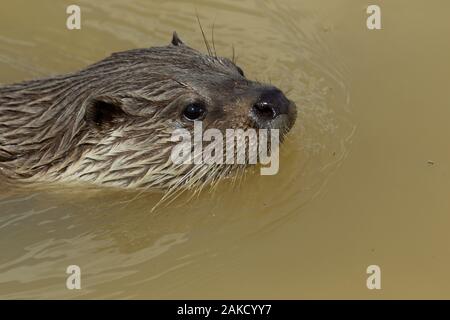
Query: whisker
column 175, row 190
column 212, row 40
column 208, row 48
column 287, row 91
column 233, row 58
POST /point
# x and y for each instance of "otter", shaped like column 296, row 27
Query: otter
column 110, row 124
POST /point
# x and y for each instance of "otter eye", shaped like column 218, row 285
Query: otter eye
column 241, row 72
column 194, row 111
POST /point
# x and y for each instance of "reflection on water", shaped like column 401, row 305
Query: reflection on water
column 269, row 236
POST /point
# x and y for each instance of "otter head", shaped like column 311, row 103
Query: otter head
column 137, row 99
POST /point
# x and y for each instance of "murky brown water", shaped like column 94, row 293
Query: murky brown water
column 356, row 184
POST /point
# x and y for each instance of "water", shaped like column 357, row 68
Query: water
column 363, row 175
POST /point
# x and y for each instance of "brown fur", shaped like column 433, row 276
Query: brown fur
column 110, row 124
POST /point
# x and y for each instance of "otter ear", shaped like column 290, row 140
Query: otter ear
column 104, row 112
column 176, row 41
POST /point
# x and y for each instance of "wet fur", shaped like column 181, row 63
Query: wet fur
column 110, row 124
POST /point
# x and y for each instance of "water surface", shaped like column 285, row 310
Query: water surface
column 364, row 174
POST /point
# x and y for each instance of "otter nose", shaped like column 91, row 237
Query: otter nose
column 270, row 104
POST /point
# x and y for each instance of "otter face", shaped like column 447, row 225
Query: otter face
column 180, row 84
column 116, row 117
